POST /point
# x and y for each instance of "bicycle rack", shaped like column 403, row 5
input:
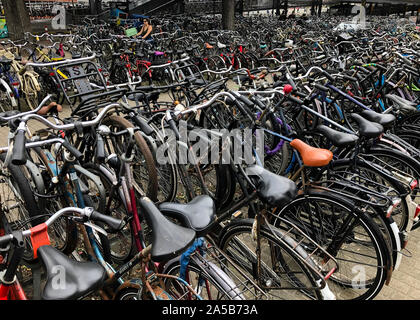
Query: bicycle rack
column 76, row 79
column 397, row 173
column 356, row 187
column 319, row 261
column 239, row 286
column 190, row 73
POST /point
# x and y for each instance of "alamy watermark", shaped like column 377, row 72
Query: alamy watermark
column 215, row 146
column 359, row 279
column 58, row 280
column 360, row 17
column 59, row 20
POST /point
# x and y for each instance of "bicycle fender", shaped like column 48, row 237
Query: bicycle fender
column 9, row 92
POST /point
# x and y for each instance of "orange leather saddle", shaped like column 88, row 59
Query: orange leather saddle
column 312, row 157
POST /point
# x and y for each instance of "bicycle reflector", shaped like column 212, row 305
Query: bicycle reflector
column 417, row 211
column 287, row 89
column 413, row 184
column 395, row 203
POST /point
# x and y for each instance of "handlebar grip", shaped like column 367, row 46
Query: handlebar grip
column 321, row 87
column 277, row 84
column 5, row 240
column 406, row 60
column 328, row 76
column 113, row 223
column 291, row 82
column 144, row 126
column 258, row 102
column 70, row 148
column 19, row 150
column 100, row 148
column 350, row 78
column 294, row 99
column 300, row 94
column 245, row 100
column 172, row 125
column 411, row 68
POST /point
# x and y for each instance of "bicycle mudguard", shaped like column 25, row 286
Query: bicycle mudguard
column 393, row 142
column 402, row 188
column 36, row 176
column 132, row 283
column 97, row 180
column 9, row 93
column 34, row 77
column 410, row 159
column 220, row 277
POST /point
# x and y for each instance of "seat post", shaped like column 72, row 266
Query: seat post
column 36, row 282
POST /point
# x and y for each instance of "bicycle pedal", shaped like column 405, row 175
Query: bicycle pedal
column 236, row 214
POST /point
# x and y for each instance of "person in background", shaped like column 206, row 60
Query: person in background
column 146, row 30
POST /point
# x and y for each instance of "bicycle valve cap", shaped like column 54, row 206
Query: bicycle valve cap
column 287, row 89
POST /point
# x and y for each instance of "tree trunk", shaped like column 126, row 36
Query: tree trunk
column 92, row 7
column 277, row 2
column 17, row 18
column 98, row 6
column 228, row 15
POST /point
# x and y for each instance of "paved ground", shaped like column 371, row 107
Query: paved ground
column 405, row 282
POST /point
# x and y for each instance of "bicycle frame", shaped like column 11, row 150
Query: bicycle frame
column 11, row 290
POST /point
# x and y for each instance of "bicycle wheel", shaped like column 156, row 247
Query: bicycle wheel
column 202, row 283
column 18, row 201
column 349, row 235
column 63, row 232
column 5, row 100
column 31, row 94
column 390, row 159
column 143, row 165
column 167, row 173
column 283, row 275
column 120, row 245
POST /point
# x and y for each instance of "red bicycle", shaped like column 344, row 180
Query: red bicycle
column 90, row 274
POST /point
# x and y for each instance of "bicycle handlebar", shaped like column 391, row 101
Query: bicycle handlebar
column 71, row 126
column 43, row 102
column 57, row 63
column 87, row 213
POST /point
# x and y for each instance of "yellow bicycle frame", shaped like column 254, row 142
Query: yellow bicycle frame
column 45, row 57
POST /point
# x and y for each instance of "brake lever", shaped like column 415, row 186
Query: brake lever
column 96, row 228
column 6, row 162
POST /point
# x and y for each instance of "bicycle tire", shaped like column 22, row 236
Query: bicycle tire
column 19, row 182
column 63, row 229
column 108, row 244
column 328, row 226
column 235, row 247
column 150, row 187
column 403, row 163
column 174, row 270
